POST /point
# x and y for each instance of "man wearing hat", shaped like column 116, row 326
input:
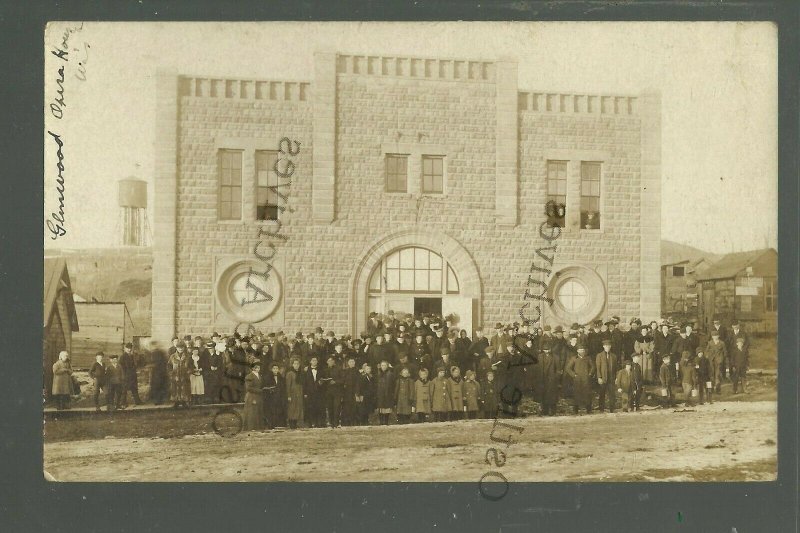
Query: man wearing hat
column 378, row 351
column 438, row 342
column 128, row 362
column 594, row 338
column 606, row 364
column 581, row 369
column 549, row 379
column 717, row 354
column 374, row 326
column 499, row 339
column 736, row 332
column 212, row 376
column 717, row 326
column 662, row 342
column 115, row 380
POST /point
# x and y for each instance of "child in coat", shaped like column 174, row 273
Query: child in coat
column 665, row 377
column 472, row 394
column 455, row 386
column 688, row 377
column 624, row 383
column 404, row 396
column 490, row 396
column 422, row 396
column 440, row 397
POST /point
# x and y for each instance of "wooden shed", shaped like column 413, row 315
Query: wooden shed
column 741, row 286
column 60, row 319
column 105, row 326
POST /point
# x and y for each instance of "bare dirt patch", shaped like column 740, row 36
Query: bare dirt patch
column 653, row 445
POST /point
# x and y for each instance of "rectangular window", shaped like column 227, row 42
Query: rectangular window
column 266, row 185
column 230, row 185
column 771, row 296
column 396, row 173
column 590, row 195
column 678, row 272
column 432, row 174
column 556, row 192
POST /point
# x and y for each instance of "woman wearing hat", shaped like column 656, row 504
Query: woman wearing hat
column 178, row 368
column 253, row 412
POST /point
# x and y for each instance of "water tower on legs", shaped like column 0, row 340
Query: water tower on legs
column 133, row 211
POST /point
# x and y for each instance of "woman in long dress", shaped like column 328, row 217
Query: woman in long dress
column 196, row 384
column 253, row 413
column 178, row 367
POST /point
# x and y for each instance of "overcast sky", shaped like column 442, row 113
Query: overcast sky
column 718, row 83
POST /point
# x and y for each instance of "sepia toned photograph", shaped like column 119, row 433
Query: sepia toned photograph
column 485, row 252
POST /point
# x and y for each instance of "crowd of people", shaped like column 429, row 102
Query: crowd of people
column 420, row 369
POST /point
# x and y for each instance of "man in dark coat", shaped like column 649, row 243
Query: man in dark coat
column 606, row 364
column 131, row 381
column 334, row 382
column 114, row 384
column 98, row 374
column 275, row 393
column 477, row 349
column 213, row 376
column 366, row 395
column 378, row 351
column 314, row 395
column 662, row 342
column 350, row 382
column 385, row 392
column 581, row 369
column 549, row 378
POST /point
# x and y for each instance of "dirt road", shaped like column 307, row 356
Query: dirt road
column 724, row 441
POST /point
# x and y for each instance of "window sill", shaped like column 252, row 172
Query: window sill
column 232, row 222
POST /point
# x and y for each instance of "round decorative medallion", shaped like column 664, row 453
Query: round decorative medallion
column 247, row 293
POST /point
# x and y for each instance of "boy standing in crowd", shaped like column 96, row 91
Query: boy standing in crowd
column 688, row 377
column 739, row 360
column 98, row 374
column 114, row 379
column 624, row 384
column 665, row 377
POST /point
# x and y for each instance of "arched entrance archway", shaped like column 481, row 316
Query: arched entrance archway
column 454, row 258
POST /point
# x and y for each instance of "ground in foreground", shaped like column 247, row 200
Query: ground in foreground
column 726, row 441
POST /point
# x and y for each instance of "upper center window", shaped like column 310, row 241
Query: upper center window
column 432, row 174
column 590, row 195
column 414, row 269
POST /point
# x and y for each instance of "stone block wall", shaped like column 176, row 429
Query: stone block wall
column 493, row 202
